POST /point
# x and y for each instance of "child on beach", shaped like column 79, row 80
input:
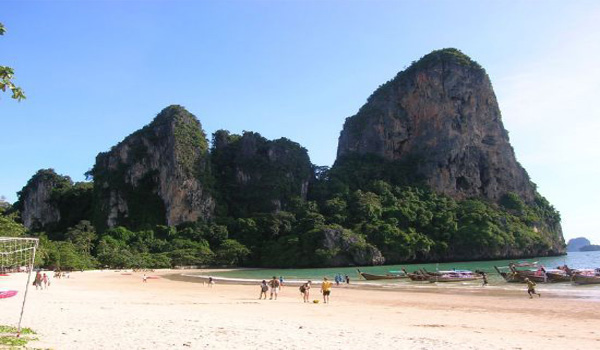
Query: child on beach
column 531, row 288
column 145, row 278
column 263, row 290
column 305, row 290
column 45, row 281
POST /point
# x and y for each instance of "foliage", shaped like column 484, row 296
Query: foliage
column 254, row 175
column 7, row 77
column 9, row 225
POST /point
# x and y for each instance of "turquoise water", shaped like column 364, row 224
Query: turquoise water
column 573, row 260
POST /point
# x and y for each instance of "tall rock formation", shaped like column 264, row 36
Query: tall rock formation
column 157, row 175
column 36, row 201
column 254, row 174
column 442, row 114
column 439, row 119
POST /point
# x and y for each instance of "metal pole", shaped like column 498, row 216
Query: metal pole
column 27, row 288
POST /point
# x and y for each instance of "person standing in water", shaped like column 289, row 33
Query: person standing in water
column 531, row 288
column 485, row 280
column 326, row 290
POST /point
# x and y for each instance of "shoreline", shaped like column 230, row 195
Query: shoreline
column 585, row 293
column 110, row 310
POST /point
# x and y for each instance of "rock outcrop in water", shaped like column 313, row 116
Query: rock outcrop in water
column 157, row 175
column 442, row 114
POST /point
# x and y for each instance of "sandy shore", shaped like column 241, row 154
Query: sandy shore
column 109, row 310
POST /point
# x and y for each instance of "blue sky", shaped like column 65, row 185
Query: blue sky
column 95, row 71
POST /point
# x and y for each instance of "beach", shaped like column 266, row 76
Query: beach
column 113, row 310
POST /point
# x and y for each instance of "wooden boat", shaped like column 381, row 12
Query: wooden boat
column 372, row 277
column 556, row 276
column 584, row 279
column 454, row 276
column 508, row 276
column 587, row 276
column 534, row 273
column 416, row 276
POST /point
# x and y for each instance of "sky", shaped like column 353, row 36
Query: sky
column 96, row 71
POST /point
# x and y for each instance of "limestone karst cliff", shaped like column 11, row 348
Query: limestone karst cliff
column 35, row 200
column 157, row 175
column 52, row 203
column 439, row 122
column 442, row 114
column 254, row 174
column 425, row 172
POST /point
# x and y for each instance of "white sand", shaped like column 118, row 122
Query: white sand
column 107, row 310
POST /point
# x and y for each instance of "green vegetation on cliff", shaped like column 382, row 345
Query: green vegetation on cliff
column 274, row 208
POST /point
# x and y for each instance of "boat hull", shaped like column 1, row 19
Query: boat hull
column 371, row 277
column 579, row 279
column 434, row 279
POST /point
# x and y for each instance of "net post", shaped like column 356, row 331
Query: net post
column 27, row 286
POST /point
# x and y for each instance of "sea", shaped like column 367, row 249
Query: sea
column 576, row 260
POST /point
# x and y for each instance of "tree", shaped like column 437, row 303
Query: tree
column 9, row 226
column 7, row 76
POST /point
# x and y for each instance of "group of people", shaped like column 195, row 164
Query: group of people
column 41, row 281
column 275, row 284
column 339, row 279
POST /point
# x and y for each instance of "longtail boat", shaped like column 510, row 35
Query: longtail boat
column 583, row 279
column 372, row 277
column 556, row 275
column 454, row 276
column 508, row 276
column 588, row 276
column 416, row 276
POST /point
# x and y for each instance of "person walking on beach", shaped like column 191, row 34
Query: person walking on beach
column 531, row 288
column 37, row 282
column 281, row 282
column 326, row 290
column 211, row 282
column 45, row 281
column 274, row 284
column 485, row 280
column 263, row 290
column 305, row 290
column 347, row 279
column 145, row 278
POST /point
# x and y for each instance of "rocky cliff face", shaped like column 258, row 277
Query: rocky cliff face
column 254, row 174
column 38, row 209
column 442, row 114
column 346, row 248
column 157, row 175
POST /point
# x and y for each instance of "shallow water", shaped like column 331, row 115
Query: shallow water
column 573, row 260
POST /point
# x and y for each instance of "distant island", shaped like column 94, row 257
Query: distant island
column 581, row 244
